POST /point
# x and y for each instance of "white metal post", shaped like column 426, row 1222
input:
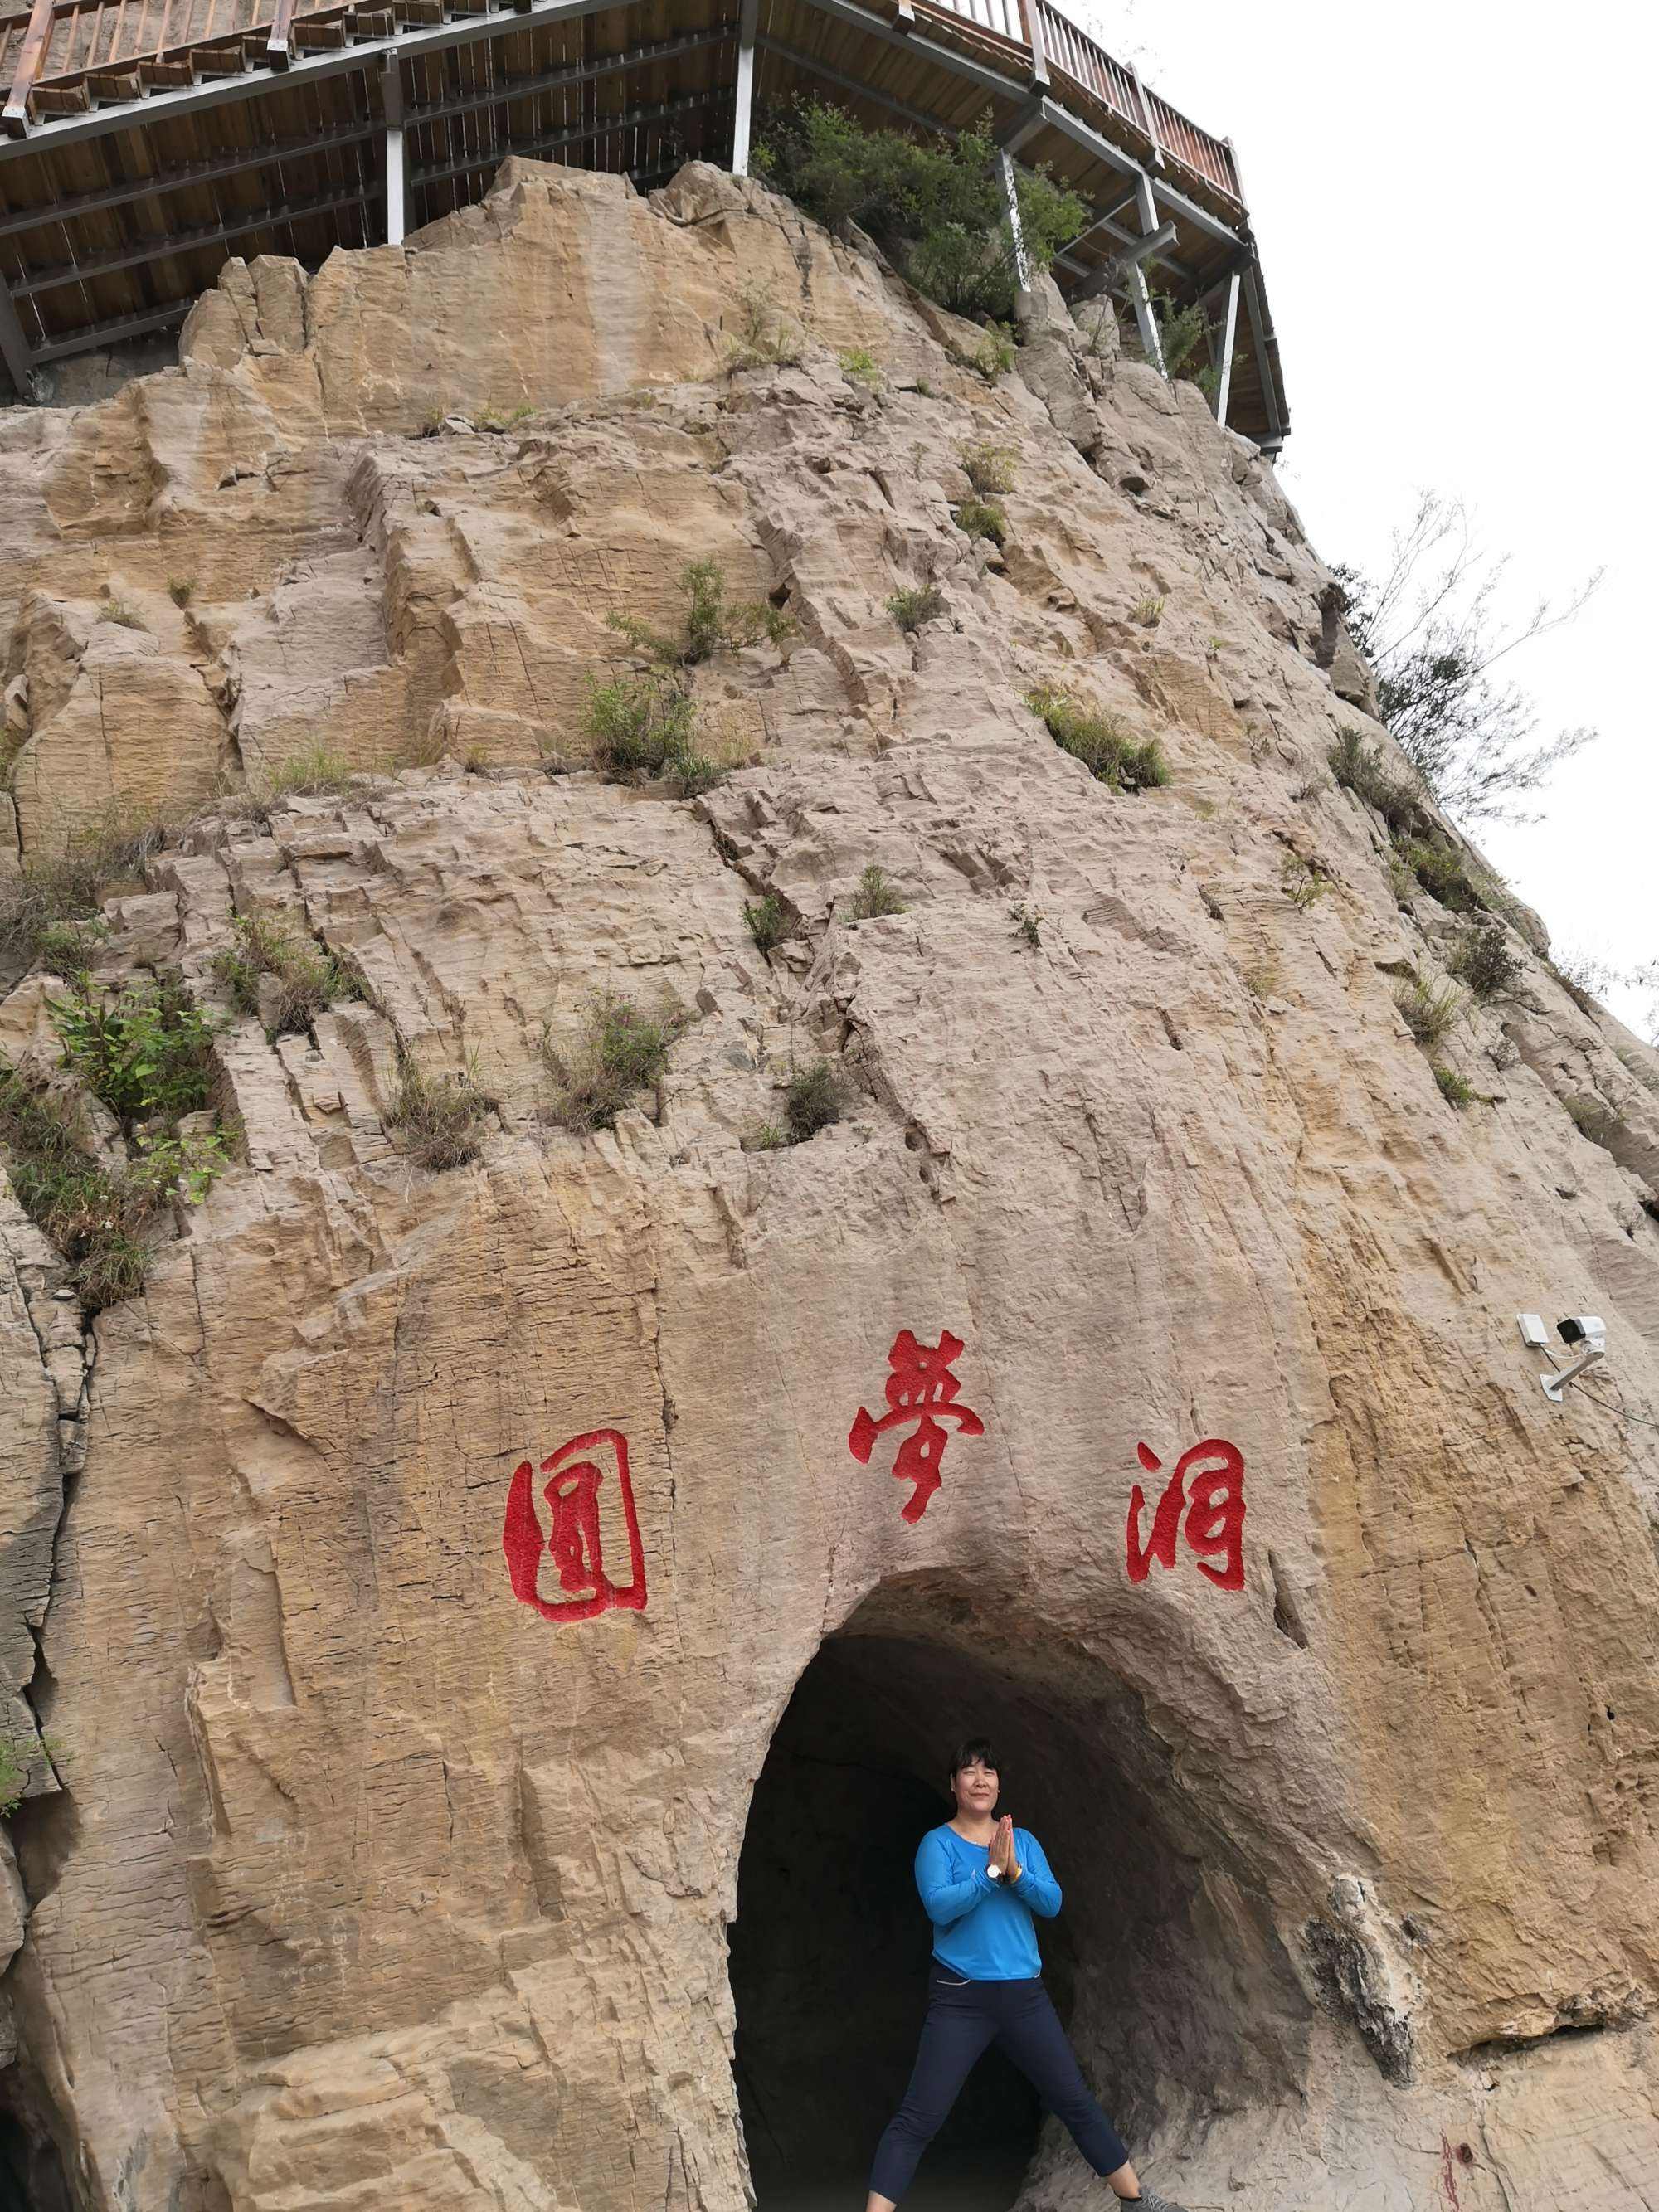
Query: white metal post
column 1011, row 195
column 743, row 112
column 391, row 106
column 1145, row 320
column 1229, row 339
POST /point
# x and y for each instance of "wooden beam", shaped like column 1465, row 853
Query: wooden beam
column 629, row 119
column 877, row 26
column 1229, row 339
column 137, row 252
column 742, row 111
column 1184, row 210
column 811, row 62
column 279, row 47
column 72, row 205
column 119, row 326
column 557, row 80
column 15, row 116
column 14, row 346
column 367, row 54
column 1030, row 14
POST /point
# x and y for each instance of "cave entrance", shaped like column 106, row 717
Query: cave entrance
column 1163, row 1964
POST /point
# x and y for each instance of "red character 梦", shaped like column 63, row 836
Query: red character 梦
column 920, row 1387
column 588, row 1498
column 1214, row 1509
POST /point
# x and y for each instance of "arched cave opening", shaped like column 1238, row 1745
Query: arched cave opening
column 31, row 2176
column 1164, row 1964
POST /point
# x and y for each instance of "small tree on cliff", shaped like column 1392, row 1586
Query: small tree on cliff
column 934, row 205
column 1432, row 631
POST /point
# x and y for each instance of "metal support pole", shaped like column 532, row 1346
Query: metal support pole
column 1011, row 196
column 396, row 200
column 1229, row 339
column 743, row 113
column 1141, row 299
column 14, row 346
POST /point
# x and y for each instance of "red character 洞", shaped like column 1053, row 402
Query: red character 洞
column 920, row 1388
column 590, row 1506
column 1214, row 1509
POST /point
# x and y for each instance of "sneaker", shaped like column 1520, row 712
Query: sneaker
column 1152, row 2202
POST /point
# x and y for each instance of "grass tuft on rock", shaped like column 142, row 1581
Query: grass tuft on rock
column 812, row 1101
column 1453, row 1087
column 913, row 604
column 1111, row 756
column 622, row 1050
column 442, row 1117
column 771, row 923
column 1593, row 1118
column 1484, row 959
column 981, row 518
column 305, row 979
column 1430, row 1011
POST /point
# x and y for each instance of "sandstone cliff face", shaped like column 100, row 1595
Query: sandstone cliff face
column 358, row 1880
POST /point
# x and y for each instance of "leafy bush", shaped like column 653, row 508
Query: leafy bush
column 874, row 896
column 1438, row 867
column 764, row 340
column 1358, row 767
column 914, row 604
column 443, row 1116
column 621, row 1050
column 644, row 726
column 1303, row 885
column 1484, row 960
column 308, row 979
column 994, row 356
column 812, row 1101
column 981, row 518
column 1097, row 739
column 860, row 366
column 100, row 1218
column 769, row 921
column 1431, row 1014
column 149, row 1052
column 935, row 206
column 989, row 469
column 1453, row 1088
column 1028, row 924
column 708, row 622
column 1181, row 331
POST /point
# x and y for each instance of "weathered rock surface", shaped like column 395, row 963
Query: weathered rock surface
column 356, row 1881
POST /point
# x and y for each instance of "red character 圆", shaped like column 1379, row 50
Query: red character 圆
column 589, row 1500
column 920, row 1387
column 1214, row 1508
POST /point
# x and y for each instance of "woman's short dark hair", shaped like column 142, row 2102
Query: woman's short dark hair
column 973, row 1750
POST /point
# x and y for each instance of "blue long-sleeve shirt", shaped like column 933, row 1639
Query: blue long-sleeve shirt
column 982, row 1929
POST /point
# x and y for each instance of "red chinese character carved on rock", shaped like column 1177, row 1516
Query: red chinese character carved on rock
column 1214, row 1509
column 590, row 1500
column 920, row 1387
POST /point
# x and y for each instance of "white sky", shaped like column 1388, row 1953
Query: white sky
column 1451, row 201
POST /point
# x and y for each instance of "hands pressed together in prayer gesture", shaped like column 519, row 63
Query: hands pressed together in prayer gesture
column 1001, row 1855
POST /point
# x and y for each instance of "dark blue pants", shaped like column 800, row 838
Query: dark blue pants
column 964, row 2019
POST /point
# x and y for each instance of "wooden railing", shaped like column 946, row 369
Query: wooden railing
column 50, row 48
column 1066, row 47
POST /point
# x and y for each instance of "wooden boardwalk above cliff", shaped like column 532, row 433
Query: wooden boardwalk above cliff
column 142, row 141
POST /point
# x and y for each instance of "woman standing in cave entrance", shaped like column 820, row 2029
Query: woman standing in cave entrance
column 981, row 1881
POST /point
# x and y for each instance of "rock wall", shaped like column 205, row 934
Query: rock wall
column 355, row 1880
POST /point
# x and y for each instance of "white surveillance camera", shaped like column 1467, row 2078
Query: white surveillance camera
column 1588, row 1329
column 1590, row 1333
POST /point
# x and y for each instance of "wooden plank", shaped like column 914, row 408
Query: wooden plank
column 15, row 116
column 252, row 157
column 138, row 252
